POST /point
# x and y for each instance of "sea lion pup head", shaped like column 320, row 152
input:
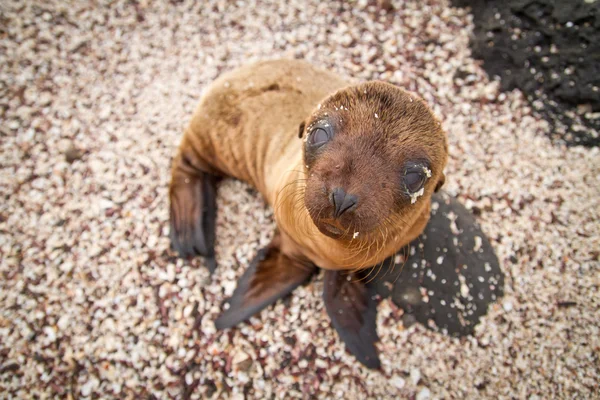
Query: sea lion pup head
column 374, row 154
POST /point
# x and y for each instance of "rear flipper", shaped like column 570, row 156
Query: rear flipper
column 350, row 305
column 193, row 210
column 270, row 276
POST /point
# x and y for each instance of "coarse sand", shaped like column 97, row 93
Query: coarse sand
column 93, row 102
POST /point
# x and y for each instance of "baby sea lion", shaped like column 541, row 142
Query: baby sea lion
column 349, row 170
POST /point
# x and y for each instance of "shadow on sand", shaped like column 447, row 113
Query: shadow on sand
column 448, row 276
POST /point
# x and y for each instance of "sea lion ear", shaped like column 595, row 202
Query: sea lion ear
column 440, row 182
column 301, row 129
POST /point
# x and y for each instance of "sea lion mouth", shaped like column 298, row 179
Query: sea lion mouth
column 333, row 230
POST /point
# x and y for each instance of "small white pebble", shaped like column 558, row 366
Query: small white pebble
column 239, row 357
column 187, row 311
column 50, row 331
column 415, row 376
column 90, row 385
column 464, row 289
column 478, row 242
column 63, row 322
column 105, row 204
column 424, row 394
column 229, row 287
column 398, row 382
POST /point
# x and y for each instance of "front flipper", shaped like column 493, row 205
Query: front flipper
column 193, row 211
column 270, row 276
column 350, row 305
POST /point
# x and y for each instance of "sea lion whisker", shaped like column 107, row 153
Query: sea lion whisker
column 282, row 199
column 403, row 263
column 390, row 266
column 367, row 252
column 355, row 250
column 376, row 274
column 375, row 266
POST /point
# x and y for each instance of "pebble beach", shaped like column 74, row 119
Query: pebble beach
column 93, row 303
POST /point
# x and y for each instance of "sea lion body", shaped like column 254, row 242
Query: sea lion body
column 348, row 169
column 246, row 127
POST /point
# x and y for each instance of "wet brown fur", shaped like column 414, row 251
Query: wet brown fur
column 246, row 127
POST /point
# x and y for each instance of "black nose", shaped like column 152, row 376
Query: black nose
column 342, row 202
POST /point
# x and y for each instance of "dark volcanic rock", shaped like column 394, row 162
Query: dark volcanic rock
column 549, row 49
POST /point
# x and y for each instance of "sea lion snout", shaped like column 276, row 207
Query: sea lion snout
column 342, row 202
column 344, row 186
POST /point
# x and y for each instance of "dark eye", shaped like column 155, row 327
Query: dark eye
column 413, row 180
column 318, row 137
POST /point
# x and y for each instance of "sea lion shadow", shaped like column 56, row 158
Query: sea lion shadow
column 446, row 278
